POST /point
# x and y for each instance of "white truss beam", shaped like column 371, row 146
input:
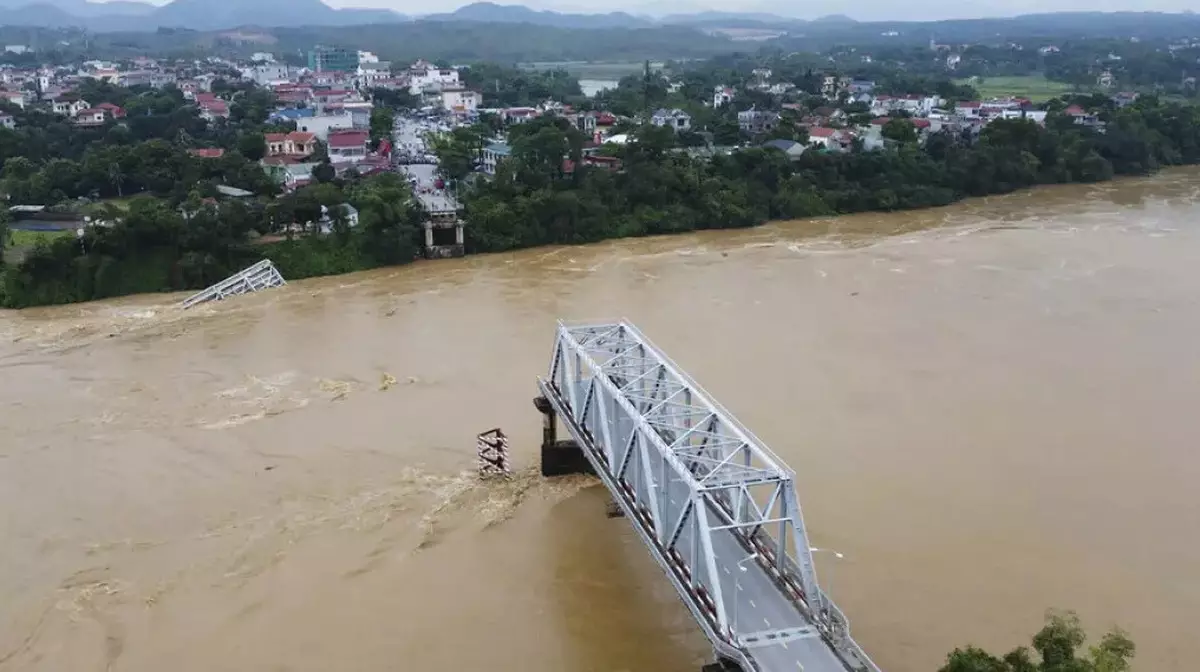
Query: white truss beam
column 695, row 481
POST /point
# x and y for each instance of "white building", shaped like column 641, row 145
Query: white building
column 423, row 75
column 371, row 72
column 262, row 57
column 367, row 57
column 6, row 121
column 321, row 125
column 458, row 99
column 266, row 74
column 722, row 95
column 676, row 120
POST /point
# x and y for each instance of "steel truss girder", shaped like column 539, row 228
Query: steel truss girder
column 688, row 470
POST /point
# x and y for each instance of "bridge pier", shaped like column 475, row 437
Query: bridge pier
column 559, row 458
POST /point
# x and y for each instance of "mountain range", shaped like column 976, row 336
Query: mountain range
column 216, row 15
column 122, row 15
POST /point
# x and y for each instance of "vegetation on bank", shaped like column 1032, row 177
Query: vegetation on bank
column 174, row 240
column 1057, row 648
column 538, row 198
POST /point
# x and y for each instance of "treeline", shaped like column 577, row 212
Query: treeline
column 1056, row 648
column 537, row 198
column 154, row 246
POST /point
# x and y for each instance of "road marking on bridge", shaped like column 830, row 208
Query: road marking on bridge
column 766, row 621
column 753, row 605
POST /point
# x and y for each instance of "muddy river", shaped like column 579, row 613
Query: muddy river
column 991, row 409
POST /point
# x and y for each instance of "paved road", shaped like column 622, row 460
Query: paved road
column 753, row 603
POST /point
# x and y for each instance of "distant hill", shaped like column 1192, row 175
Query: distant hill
column 490, row 12
column 211, row 15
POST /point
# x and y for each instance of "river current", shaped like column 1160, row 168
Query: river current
column 991, row 410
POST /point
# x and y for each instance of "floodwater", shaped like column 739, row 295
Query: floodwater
column 991, row 410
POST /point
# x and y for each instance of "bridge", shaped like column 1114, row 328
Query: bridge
column 258, row 277
column 716, row 509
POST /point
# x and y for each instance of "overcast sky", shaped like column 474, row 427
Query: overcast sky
column 863, row 10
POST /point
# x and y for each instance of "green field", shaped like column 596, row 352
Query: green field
column 20, row 241
column 1033, row 87
column 588, row 70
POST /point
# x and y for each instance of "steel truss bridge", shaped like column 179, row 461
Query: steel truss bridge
column 717, row 509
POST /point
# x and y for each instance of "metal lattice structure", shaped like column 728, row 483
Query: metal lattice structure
column 260, row 276
column 717, row 508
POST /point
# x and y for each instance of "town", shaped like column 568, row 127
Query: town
column 280, row 149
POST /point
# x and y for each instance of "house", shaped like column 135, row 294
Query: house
column 321, row 125
column 519, row 115
column 722, row 95
column 212, row 109
column 291, row 114
column 207, row 152
column 295, row 144
column 757, row 122
column 370, row 72
column 114, row 111
column 290, row 176
column 16, row 98
column 493, row 154
column 424, row 75
column 610, row 163
column 968, row 109
column 266, row 74
column 791, row 148
column 69, row 107
column 825, row 138
column 90, row 117
column 1124, row 99
column 458, row 99
column 1082, row 117
column 7, row 121
column 347, row 145
column 677, row 120
column 861, row 86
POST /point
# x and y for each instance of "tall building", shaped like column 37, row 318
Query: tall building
column 332, row 59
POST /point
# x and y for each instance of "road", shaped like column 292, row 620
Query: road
column 754, row 604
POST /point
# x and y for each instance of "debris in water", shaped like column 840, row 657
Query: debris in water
column 339, row 388
column 386, row 381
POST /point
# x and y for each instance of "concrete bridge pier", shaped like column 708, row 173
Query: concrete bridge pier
column 722, row 665
column 559, row 458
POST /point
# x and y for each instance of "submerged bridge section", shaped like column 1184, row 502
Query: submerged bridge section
column 716, row 509
column 260, row 276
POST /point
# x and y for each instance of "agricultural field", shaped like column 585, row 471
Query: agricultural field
column 1033, row 87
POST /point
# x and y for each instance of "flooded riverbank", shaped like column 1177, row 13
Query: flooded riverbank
column 988, row 408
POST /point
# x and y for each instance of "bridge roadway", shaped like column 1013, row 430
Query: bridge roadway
column 713, row 545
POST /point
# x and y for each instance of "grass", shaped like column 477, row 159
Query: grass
column 21, row 241
column 587, row 70
column 1034, row 87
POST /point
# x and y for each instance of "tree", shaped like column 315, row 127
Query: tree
column 253, row 146
column 324, row 172
column 1057, row 645
column 5, row 218
column 382, row 122
column 900, row 130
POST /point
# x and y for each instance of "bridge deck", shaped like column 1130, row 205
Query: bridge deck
column 715, row 507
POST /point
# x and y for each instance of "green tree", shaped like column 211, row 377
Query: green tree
column 1057, row 645
column 382, row 121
